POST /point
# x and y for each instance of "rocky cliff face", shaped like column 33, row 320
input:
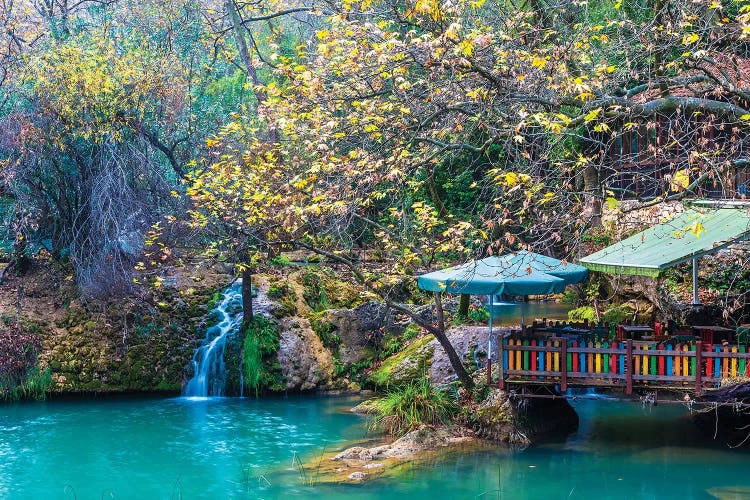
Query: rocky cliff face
column 305, row 363
column 145, row 342
column 355, row 329
column 139, row 343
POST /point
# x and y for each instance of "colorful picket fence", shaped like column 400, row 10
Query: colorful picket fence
column 629, row 363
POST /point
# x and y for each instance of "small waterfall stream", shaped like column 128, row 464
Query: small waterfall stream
column 209, row 377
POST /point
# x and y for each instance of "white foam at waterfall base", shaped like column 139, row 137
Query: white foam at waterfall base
column 210, row 375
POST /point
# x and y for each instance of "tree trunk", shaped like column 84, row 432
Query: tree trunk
column 247, row 298
column 592, row 187
column 440, row 335
column 463, row 305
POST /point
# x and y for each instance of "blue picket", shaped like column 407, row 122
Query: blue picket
column 670, row 358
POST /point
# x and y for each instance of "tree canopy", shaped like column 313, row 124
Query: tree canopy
column 388, row 135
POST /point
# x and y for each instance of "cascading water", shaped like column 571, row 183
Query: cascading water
column 210, row 375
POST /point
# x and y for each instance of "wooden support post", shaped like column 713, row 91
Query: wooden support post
column 629, row 367
column 698, row 368
column 500, row 361
column 463, row 305
column 696, row 300
column 564, row 366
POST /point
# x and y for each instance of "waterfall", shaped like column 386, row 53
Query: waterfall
column 209, row 378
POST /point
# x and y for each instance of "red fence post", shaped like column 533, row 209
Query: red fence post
column 564, row 367
column 698, row 367
column 629, row 367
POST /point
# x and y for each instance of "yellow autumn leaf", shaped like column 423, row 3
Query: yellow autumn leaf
column 539, row 62
column 690, row 38
column 592, row 115
column 680, row 180
column 697, row 229
column 466, row 48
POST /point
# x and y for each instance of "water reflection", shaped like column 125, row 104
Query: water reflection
column 224, row 448
column 509, row 314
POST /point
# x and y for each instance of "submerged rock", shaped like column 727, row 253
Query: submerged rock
column 423, row 439
column 415, row 448
column 730, row 492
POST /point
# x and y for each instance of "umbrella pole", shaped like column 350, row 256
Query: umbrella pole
column 696, row 300
column 489, row 345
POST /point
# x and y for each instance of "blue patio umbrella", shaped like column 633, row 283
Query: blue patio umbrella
column 520, row 273
column 571, row 273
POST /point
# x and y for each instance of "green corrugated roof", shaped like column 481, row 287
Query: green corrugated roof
column 692, row 233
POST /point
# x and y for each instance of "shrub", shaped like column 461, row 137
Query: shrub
column 412, row 331
column 617, row 314
column 406, row 408
column 280, row 261
column 479, row 314
column 326, row 331
column 261, row 343
column 20, row 377
column 581, row 313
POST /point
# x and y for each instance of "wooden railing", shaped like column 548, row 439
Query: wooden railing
column 630, row 363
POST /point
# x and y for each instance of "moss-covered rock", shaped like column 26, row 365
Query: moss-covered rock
column 408, row 365
column 494, row 418
column 127, row 345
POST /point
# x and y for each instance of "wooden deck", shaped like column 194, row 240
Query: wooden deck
column 631, row 365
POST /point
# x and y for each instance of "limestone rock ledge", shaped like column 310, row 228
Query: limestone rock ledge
column 305, row 363
column 361, row 463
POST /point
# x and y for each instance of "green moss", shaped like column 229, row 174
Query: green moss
column 314, row 291
column 284, row 293
column 412, row 331
column 409, row 364
column 215, row 298
column 325, row 330
column 167, row 386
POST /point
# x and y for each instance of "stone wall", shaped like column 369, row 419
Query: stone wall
column 626, row 222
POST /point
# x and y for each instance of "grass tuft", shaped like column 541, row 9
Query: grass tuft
column 408, row 407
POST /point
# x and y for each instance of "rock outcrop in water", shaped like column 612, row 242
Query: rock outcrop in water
column 728, row 420
column 362, row 463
